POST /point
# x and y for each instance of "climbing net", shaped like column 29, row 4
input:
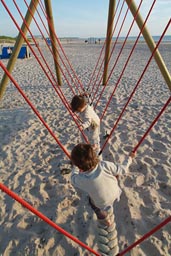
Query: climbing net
column 94, row 88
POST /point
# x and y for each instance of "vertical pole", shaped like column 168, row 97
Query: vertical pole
column 27, row 52
column 111, row 13
column 150, row 42
column 17, row 47
column 53, row 38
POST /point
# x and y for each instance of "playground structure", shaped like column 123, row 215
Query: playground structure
column 143, row 29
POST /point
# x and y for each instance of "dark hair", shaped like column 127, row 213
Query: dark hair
column 84, row 157
column 78, row 102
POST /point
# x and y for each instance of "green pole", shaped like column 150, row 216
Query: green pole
column 150, row 42
column 53, row 39
column 111, row 13
column 17, row 47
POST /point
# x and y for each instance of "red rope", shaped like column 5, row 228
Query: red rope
column 151, row 126
column 119, row 15
column 44, row 218
column 134, row 19
column 136, row 86
column 166, row 221
column 33, row 40
column 60, row 45
column 45, row 42
column 100, row 56
column 127, row 60
column 34, row 109
column 56, row 88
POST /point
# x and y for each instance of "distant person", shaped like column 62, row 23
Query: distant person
column 9, row 51
column 98, row 179
column 90, row 122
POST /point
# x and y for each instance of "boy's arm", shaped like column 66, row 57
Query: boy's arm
column 86, row 123
column 121, row 169
column 74, row 175
column 87, row 118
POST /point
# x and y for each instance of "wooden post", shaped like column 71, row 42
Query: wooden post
column 53, row 38
column 111, row 13
column 17, row 47
column 150, row 42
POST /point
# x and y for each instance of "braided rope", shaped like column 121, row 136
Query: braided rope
column 107, row 237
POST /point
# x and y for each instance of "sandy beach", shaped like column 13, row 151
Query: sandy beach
column 33, row 165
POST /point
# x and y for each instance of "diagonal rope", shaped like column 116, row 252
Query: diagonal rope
column 60, row 45
column 151, row 232
column 31, row 48
column 100, row 57
column 152, row 124
column 119, row 15
column 43, row 36
column 127, row 60
column 35, row 42
column 53, row 45
column 44, row 218
column 65, row 102
column 44, row 40
column 34, row 109
column 125, row 40
column 44, row 11
column 25, row 204
column 115, row 125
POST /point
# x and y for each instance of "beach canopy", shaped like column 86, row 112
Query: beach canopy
column 7, row 51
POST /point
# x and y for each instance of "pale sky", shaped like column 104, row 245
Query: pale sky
column 86, row 18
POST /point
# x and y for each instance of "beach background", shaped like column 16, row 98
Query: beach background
column 32, row 164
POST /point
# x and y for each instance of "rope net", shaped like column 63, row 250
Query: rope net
column 75, row 86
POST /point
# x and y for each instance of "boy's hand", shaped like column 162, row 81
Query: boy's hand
column 93, row 125
column 81, row 128
column 132, row 154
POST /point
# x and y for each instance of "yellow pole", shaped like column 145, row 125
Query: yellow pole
column 53, row 39
column 111, row 13
column 150, row 42
column 17, row 47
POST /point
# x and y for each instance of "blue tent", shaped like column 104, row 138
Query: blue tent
column 7, row 51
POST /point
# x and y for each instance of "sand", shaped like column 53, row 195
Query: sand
column 32, row 163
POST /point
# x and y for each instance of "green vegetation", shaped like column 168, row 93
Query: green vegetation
column 7, row 39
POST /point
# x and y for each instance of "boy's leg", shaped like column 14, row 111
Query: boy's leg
column 95, row 142
column 102, row 216
column 99, row 213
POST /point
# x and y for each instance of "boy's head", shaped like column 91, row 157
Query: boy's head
column 84, row 157
column 78, row 103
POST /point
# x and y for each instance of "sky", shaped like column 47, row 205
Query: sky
column 80, row 18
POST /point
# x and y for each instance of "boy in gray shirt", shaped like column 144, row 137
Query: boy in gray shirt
column 97, row 178
column 90, row 122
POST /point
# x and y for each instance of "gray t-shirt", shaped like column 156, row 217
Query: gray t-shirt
column 91, row 124
column 101, row 183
